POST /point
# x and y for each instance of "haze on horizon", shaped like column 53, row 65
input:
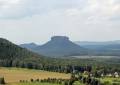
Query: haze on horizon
column 23, row 21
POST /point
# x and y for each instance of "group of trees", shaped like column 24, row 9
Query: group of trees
column 85, row 80
column 90, row 81
column 48, row 80
column 43, row 66
column 71, row 81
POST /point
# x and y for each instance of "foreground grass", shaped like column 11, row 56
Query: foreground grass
column 13, row 75
column 78, row 83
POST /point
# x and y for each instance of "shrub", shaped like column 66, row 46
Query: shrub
column 2, row 81
column 31, row 80
column 116, row 83
column 106, row 83
column 37, row 80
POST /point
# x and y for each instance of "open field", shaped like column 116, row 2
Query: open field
column 33, row 84
column 76, row 83
column 13, row 75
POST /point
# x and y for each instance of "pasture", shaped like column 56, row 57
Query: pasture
column 14, row 75
column 32, row 84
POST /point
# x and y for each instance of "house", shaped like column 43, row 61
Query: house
column 116, row 75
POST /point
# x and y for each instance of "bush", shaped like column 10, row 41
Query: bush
column 106, row 83
column 37, row 80
column 2, row 81
column 116, row 83
column 66, row 83
column 31, row 80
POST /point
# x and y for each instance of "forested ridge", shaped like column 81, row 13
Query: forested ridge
column 13, row 55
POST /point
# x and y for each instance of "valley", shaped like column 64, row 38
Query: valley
column 59, row 42
column 73, row 65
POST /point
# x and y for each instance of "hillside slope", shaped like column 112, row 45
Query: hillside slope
column 29, row 46
column 13, row 55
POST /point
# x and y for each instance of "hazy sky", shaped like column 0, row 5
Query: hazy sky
column 23, row 21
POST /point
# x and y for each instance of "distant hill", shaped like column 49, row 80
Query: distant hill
column 13, row 55
column 29, row 46
column 88, row 44
column 110, row 48
column 60, row 46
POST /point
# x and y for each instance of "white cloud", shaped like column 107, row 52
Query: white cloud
column 24, row 8
column 37, row 20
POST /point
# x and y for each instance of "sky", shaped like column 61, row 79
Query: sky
column 24, row 21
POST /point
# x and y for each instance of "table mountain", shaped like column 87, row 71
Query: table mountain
column 60, row 46
column 29, row 45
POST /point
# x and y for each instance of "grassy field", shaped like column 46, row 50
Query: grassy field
column 37, row 83
column 110, row 80
column 32, row 84
column 13, row 75
column 76, row 83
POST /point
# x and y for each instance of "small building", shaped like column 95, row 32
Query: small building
column 102, row 75
column 109, row 75
column 116, row 75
